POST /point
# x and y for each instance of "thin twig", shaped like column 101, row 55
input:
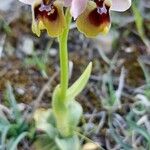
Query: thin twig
column 36, row 103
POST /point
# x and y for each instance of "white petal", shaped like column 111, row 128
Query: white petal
column 77, row 7
column 29, row 2
column 120, row 5
column 67, row 3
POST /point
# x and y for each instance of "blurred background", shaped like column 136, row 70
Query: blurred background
column 120, row 80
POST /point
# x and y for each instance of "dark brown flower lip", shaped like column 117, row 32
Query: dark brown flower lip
column 44, row 7
column 102, row 10
column 100, row 15
column 48, row 11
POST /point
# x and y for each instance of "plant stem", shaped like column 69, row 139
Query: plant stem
column 63, row 52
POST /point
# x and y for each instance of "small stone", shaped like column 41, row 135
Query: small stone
column 91, row 146
column 20, row 91
column 129, row 50
column 27, row 46
column 22, row 106
column 52, row 52
column 2, row 42
column 5, row 5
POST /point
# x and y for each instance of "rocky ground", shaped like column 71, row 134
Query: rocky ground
column 121, row 65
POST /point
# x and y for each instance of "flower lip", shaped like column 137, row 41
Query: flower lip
column 46, row 8
column 48, row 11
column 95, row 19
column 99, row 15
column 102, row 10
column 48, row 15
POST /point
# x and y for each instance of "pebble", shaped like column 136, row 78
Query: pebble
column 20, row 91
column 5, row 5
column 91, row 146
column 27, row 45
column 52, row 52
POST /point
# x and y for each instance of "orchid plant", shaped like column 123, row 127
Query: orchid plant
column 92, row 18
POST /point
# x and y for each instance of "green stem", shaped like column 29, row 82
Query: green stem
column 63, row 52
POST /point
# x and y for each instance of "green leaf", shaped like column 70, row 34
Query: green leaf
column 13, row 104
column 3, row 122
column 43, row 142
column 79, row 85
column 60, row 112
column 4, row 136
column 71, row 143
column 138, row 129
column 112, row 97
column 119, row 140
column 67, row 115
column 41, row 117
column 145, row 71
column 17, row 140
column 138, row 20
column 75, row 113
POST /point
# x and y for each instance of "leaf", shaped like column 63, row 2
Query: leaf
column 4, row 136
column 112, row 96
column 145, row 71
column 43, row 142
column 138, row 20
column 41, row 117
column 67, row 115
column 79, row 85
column 74, row 115
column 17, row 140
column 71, row 143
column 3, row 122
column 119, row 140
column 138, row 129
column 60, row 112
column 13, row 104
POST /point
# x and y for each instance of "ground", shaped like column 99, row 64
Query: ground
column 121, row 65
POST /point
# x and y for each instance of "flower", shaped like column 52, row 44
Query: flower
column 29, row 2
column 93, row 17
column 77, row 6
column 47, row 14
